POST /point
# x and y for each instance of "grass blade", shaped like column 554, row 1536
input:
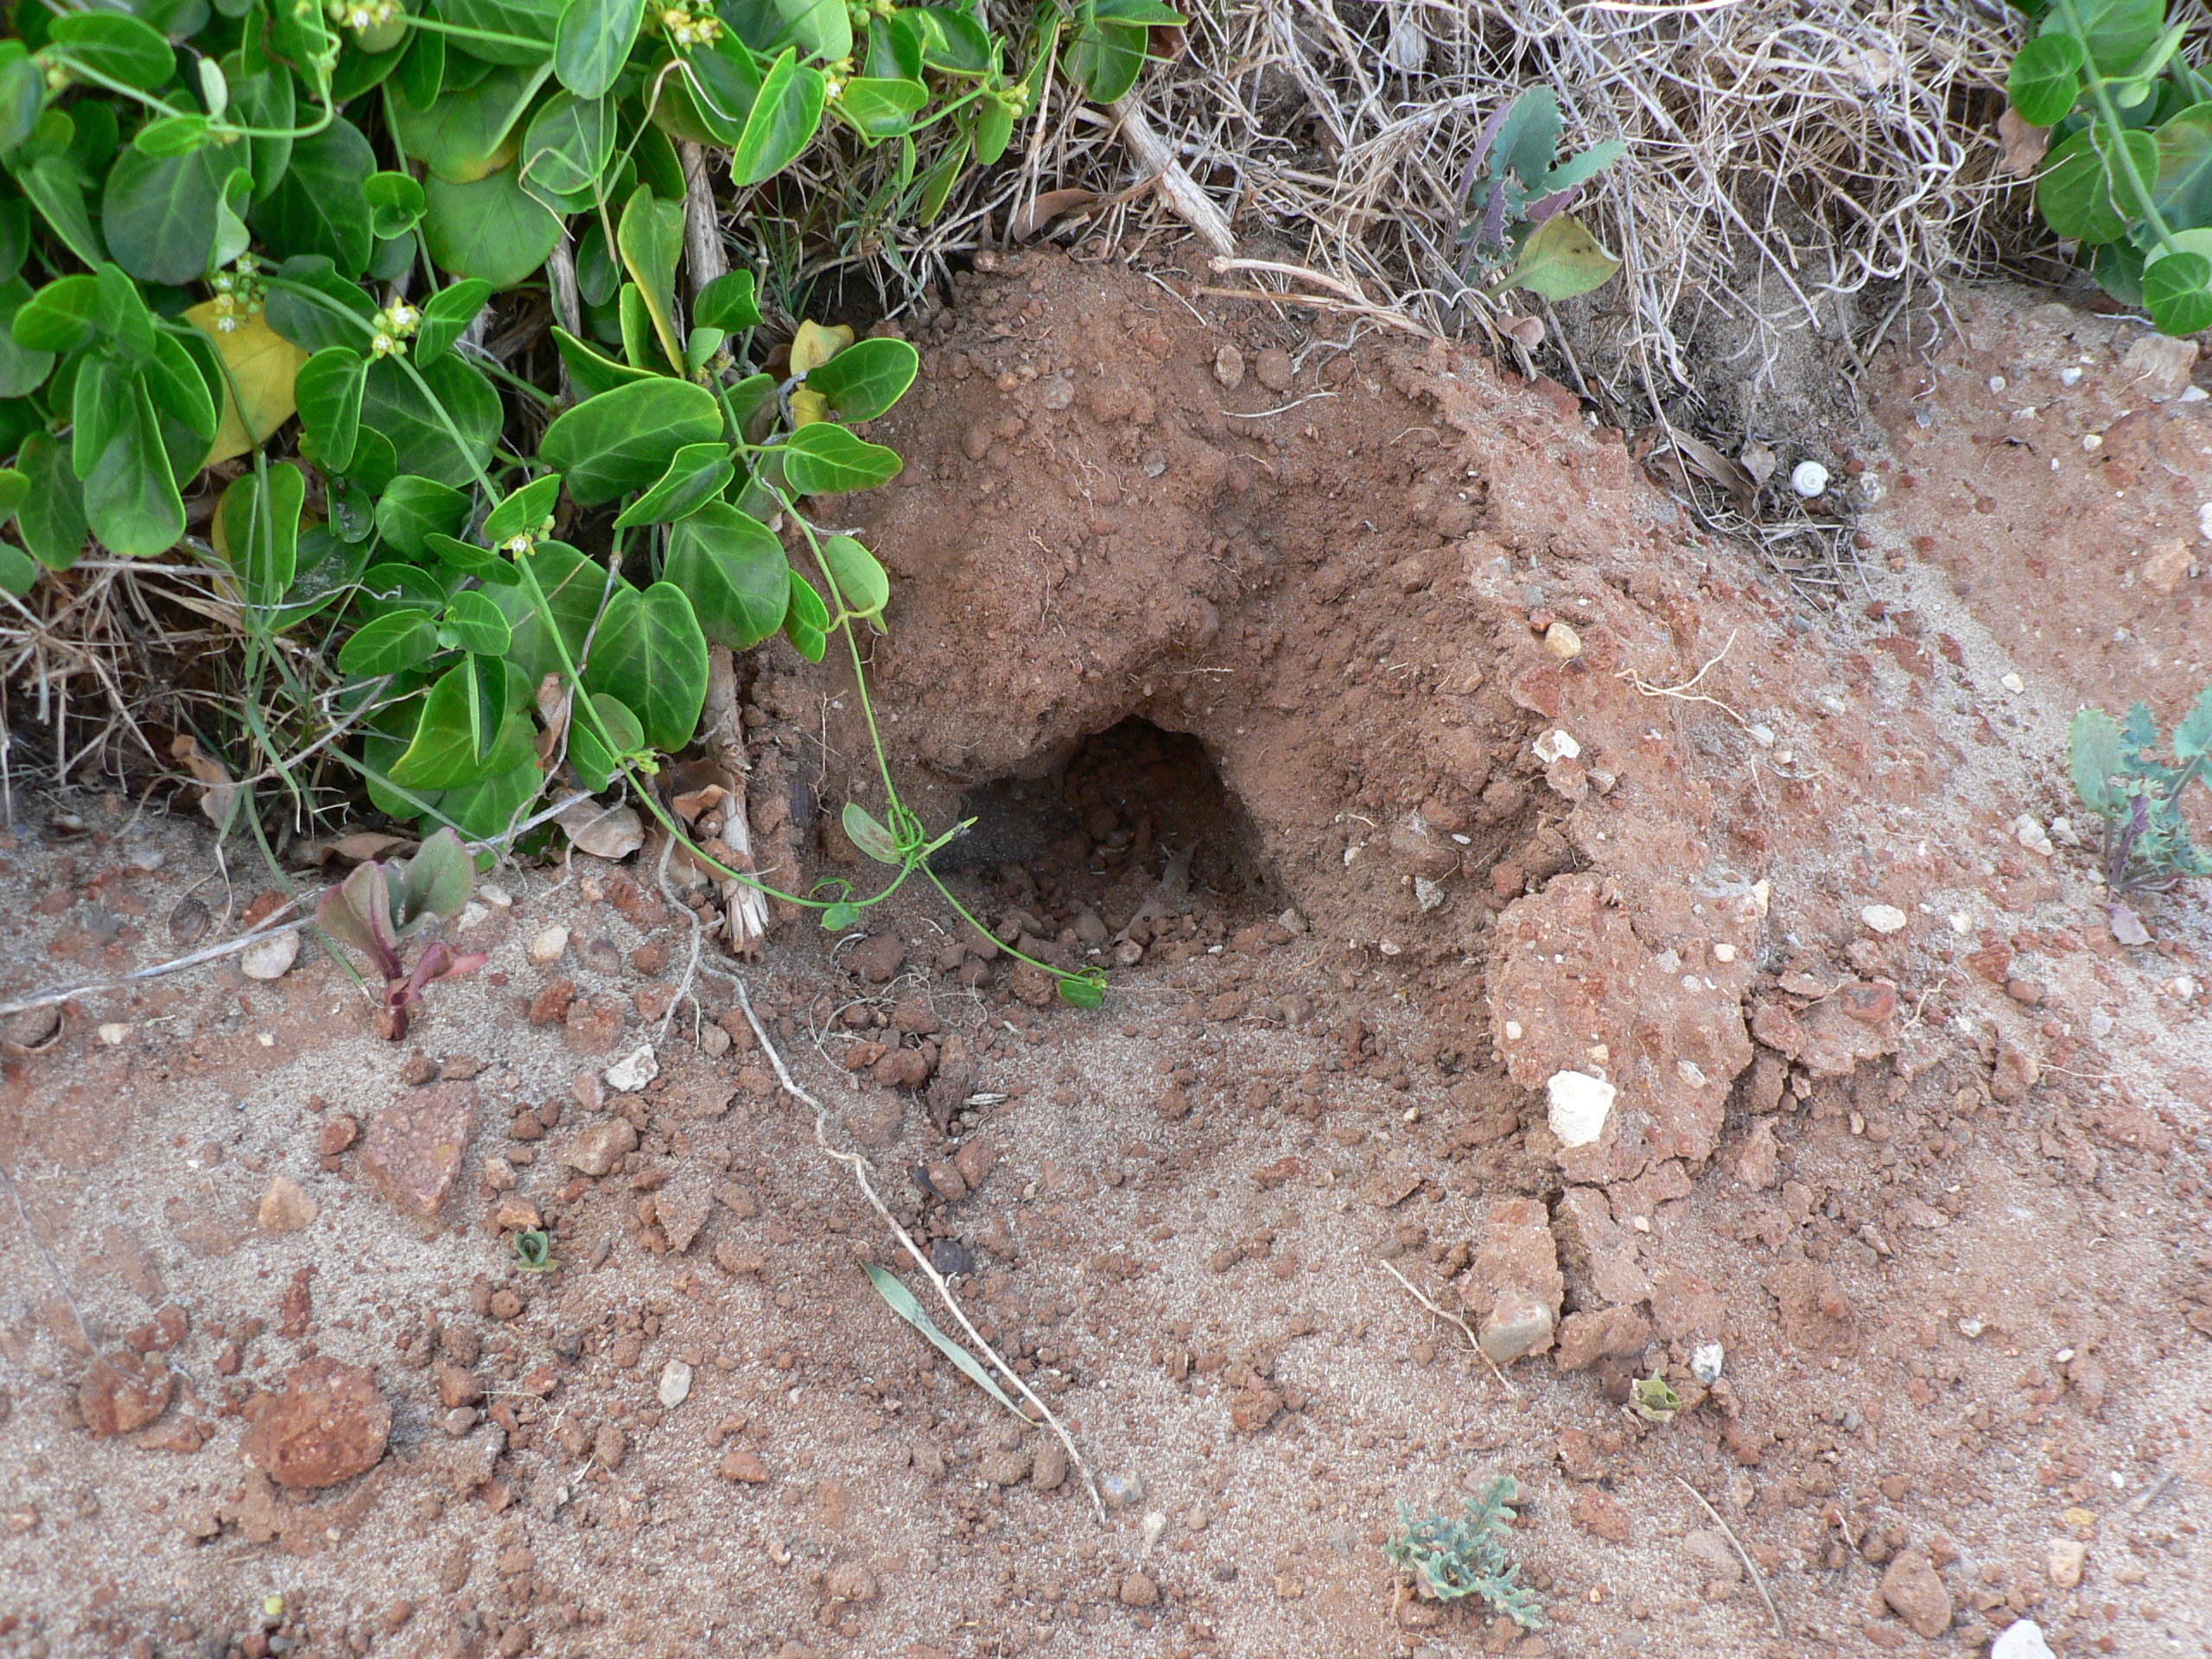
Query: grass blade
column 904, row 1305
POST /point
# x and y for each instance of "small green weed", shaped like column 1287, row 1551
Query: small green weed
column 1449, row 1559
column 2121, row 776
column 534, row 1251
column 2128, row 172
column 379, row 905
column 1520, row 235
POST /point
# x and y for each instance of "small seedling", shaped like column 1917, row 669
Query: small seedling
column 378, row 906
column 534, row 1251
column 1519, row 232
column 1448, row 1560
column 2121, row 776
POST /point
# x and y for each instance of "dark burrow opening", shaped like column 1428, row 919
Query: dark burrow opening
column 1130, row 809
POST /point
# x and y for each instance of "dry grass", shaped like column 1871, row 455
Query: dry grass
column 1842, row 149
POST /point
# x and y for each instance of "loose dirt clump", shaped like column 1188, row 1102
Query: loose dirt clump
column 1502, row 886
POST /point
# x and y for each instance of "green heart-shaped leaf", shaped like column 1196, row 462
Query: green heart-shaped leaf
column 390, row 644
column 867, row 377
column 734, row 571
column 623, row 439
column 650, row 653
column 824, row 458
column 327, row 388
column 697, row 473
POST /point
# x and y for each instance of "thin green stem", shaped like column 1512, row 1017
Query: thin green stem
column 2113, row 136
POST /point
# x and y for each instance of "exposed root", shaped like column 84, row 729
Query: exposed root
column 858, row 1166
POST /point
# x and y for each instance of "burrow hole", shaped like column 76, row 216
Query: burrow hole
column 1100, row 831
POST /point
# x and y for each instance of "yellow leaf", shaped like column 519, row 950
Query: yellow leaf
column 263, row 364
column 813, row 345
column 808, row 407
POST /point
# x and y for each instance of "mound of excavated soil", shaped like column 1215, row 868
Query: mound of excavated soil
column 1398, row 748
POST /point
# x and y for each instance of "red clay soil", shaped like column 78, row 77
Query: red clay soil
column 1398, row 747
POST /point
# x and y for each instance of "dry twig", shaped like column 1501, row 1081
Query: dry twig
column 1465, row 1329
column 1743, row 1555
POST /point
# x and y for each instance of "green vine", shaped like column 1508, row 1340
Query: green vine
column 2128, row 173
column 221, row 217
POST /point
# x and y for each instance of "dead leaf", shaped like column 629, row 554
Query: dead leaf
column 2024, row 145
column 361, row 847
column 264, row 363
column 1527, row 331
column 1676, row 456
column 1047, row 207
column 554, row 697
column 603, row 831
column 220, row 795
column 1758, row 460
column 688, row 806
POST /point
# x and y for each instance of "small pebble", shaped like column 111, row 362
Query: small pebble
column 2092, row 441
column 1579, row 1106
column 549, row 946
column 2013, row 683
column 2069, row 376
column 2023, row 1638
column 112, row 1033
column 1706, row 1361
column 634, row 1071
column 1563, row 642
column 1557, row 744
column 273, row 957
column 2063, row 1559
column 1883, row 918
column 675, row 1383
column 1971, row 1328
column 1122, row 1491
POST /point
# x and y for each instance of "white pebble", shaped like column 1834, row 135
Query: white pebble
column 633, row 1071
column 1579, row 1106
column 675, row 1383
column 2204, row 521
column 2092, row 441
column 273, row 957
column 2070, row 375
column 1557, row 744
column 2013, row 683
column 548, row 946
column 1808, row 478
column 495, row 895
column 1971, row 1328
column 472, row 915
column 1762, row 735
column 1997, row 383
column 1706, row 1361
column 2063, row 832
column 1513, row 1031
column 1883, row 918
column 112, row 1033
column 2021, row 1639
column 1723, row 953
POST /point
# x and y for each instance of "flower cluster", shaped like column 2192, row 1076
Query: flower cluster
column 834, row 76
column 239, row 293
column 690, row 22
column 393, row 325
column 361, row 16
